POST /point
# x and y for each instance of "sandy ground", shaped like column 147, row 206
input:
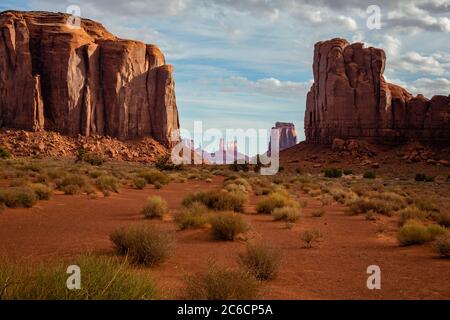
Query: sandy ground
column 335, row 269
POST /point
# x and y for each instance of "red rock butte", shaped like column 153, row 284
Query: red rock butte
column 350, row 99
column 82, row 80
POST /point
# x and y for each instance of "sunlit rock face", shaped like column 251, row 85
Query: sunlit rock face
column 350, row 99
column 82, row 80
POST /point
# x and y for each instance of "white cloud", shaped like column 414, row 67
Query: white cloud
column 430, row 87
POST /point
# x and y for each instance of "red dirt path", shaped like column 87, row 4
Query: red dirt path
column 335, row 269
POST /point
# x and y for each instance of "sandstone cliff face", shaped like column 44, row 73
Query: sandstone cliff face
column 82, row 81
column 350, row 99
column 287, row 135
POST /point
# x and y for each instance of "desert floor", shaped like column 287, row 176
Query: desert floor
column 336, row 268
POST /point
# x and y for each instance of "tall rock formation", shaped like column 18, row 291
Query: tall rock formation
column 82, row 80
column 351, row 99
column 287, row 135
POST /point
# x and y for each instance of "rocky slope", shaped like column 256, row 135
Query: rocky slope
column 82, row 80
column 350, row 99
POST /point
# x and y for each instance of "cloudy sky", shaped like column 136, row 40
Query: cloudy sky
column 247, row 63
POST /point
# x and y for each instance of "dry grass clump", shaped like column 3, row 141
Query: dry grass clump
column 412, row 213
column 262, row 260
column 219, row 200
column 241, row 183
column 139, row 183
column 318, row 213
column 227, row 226
column 107, row 184
column 222, row 284
column 153, row 176
column 287, row 214
column 18, row 197
column 42, row 191
column 414, row 232
column 276, row 200
column 144, row 245
column 156, row 207
column 72, row 184
column 310, row 237
column 364, row 205
column 442, row 218
column 195, row 216
column 442, row 245
column 103, row 278
column 342, row 195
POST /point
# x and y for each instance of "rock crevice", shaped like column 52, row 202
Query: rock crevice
column 82, row 80
column 350, row 99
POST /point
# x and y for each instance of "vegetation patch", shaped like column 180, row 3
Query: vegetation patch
column 195, row 216
column 18, row 197
column 155, row 207
column 442, row 245
column 414, row 232
column 218, row 200
column 262, row 260
column 287, row 214
column 227, row 225
column 144, row 245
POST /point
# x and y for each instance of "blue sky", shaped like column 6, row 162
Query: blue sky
column 247, row 63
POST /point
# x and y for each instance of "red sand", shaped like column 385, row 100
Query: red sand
column 335, row 269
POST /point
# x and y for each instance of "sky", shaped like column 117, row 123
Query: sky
column 248, row 63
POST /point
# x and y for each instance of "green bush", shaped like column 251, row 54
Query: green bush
column 227, row 225
column 413, row 232
column 18, row 197
column 139, row 183
column 261, row 260
column 412, row 213
column 153, row 176
column 103, row 278
column 42, row 191
column 4, row 153
column 442, row 245
column 195, row 216
column 370, row 174
column 274, row 201
column 155, row 207
column 217, row 200
column 333, row 173
column 288, row 214
column 222, row 284
column 144, row 245
column 107, row 184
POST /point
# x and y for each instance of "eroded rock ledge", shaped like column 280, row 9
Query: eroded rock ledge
column 350, row 99
column 82, row 81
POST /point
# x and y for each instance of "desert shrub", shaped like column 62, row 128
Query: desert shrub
column 411, row 213
column 442, row 245
column 442, row 218
column 413, row 232
column 364, row 205
column 318, row 213
column 155, row 207
column 274, row 201
column 370, row 174
column 262, row 260
column 4, row 153
column 42, row 191
column 288, row 214
column 71, row 189
column 241, row 182
column 195, row 216
column 72, row 179
column 310, row 237
column 103, row 278
column 144, row 245
column 333, row 173
column 19, row 182
column 239, row 167
column 227, row 225
column 92, row 158
column 326, row 200
column 164, row 163
column 348, row 172
column 107, row 184
column 217, row 200
column 139, row 183
column 342, row 195
column 153, row 176
column 426, row 205
column 370, row 216
column 222, row 284
column 18, row 197
column 420, row 177
column 94, row 174
column 158, row 185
